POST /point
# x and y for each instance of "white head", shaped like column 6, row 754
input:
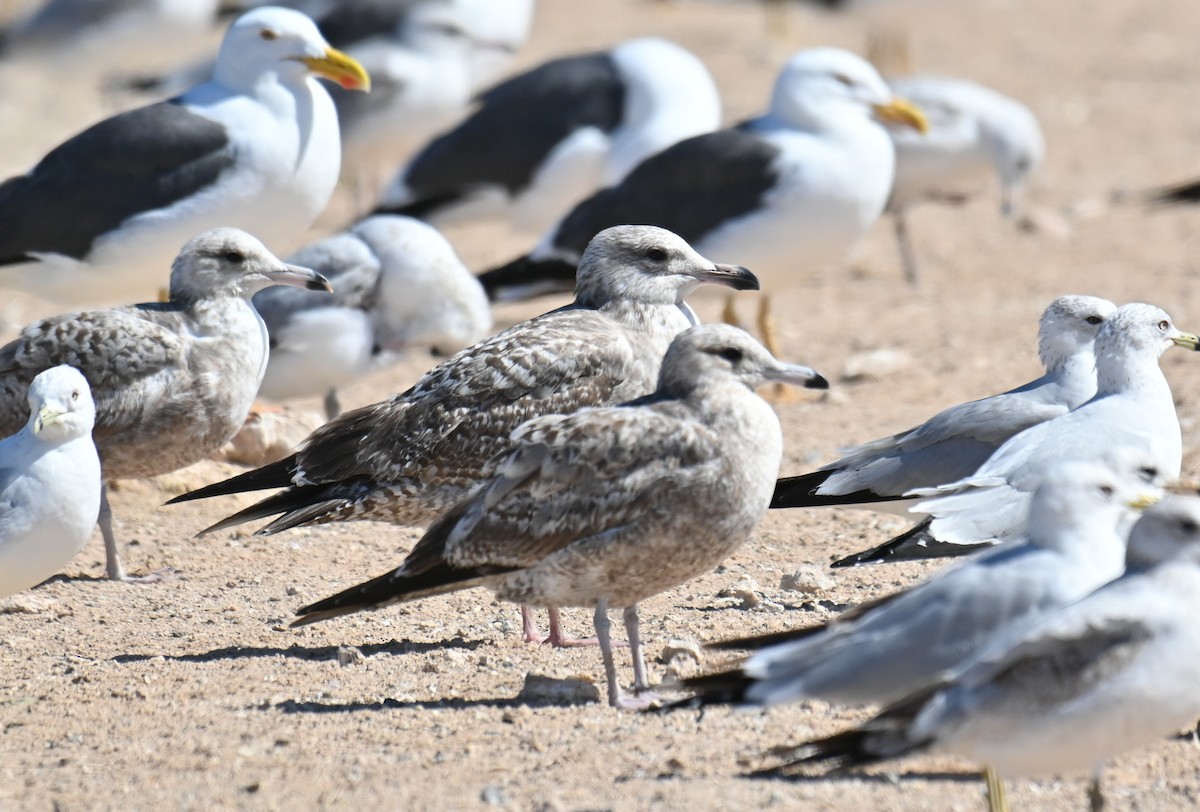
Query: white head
column 277, row 42
column 228, row 262
column 715, row 353
column 1069, row 326
column 1170, row 529
column 1014, row 142
column 60, row 405
column 1135, row 331
column 822, row 88
column 648, row 264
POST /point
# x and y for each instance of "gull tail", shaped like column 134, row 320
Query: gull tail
column 1182, row 193
column 275, row 475
column 720, row 688
column 299, row 505
column 801, row 491
column 917, row 544
column 761, row 641
column 526, row 278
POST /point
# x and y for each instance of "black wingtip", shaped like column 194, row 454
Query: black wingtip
column 525, row 278
column 1184, row 193
column 916, row 544
column 273, row 475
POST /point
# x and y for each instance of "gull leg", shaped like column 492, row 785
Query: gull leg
column 779, row 392
column 640, row 681
column 529, row 627
column 1095, row 794
column 113, row 567
column 560, row 639
column 333, row 406
column 603, row 627
column 729, row 313
column 997, row 800
column 908, row 257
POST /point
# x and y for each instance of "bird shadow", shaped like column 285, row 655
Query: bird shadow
column 793, row 773
column 300, row 652
column 296, row 706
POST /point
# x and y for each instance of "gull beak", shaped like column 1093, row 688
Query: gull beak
column 731, row 276
column 298, row 277
column 1189, row 341
column 341, row 68
column 796, row 375
column 902, row 112
column 46, row 415
column 1144, row 500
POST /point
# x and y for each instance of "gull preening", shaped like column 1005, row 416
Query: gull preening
column 49, row 481
column 952, row 444
column 1132, row 406
column 608, row 506
column 540, row 142
column 257, row 147
column 172, row 381
column 397, row 286
column 884, row 650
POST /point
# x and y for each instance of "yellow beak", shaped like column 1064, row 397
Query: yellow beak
column 1144, row 500
column 46, row 416
column 341, row 68
column 1188, row 341
column 903, row 112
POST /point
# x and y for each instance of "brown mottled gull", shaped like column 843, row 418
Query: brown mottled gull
column 611, row 505
column 409, row 459
column 172, row 381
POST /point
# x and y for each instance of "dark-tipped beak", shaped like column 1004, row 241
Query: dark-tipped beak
column 731, row 276
column 797, row 375
column 298, row 277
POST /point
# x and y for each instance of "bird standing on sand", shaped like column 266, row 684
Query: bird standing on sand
column 172, row 381
column 611, row 505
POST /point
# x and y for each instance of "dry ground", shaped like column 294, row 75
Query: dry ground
column 194, row 695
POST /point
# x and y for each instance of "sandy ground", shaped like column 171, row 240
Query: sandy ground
column 193, row 694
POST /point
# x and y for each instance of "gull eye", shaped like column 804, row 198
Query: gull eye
column 234, row 257
column 1163, row 325
column 1188, row 526
column 1148, row 473
column 656, row 254
column 1107, row 490
column 1094, row 320
column 267, row 34
column 75, row 396
column 730, row 354
column 844, row 79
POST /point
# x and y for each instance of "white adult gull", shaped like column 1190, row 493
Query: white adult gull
column 411, row 458
column 956, row 441
column 397, row 286
column 1116, row 670
column 172, row 381
column 1132, row 406
column 975, row 134
column 609, row 506
column 884, row 650
column 785, row 192
column 257, row 147
column 540, row 142
column 49, row 481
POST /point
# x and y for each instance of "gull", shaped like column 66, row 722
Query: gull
column 172, row 381
column 974, row 134
column 256, row 147
column 788, row 190
column 1114, row 671
column 884, row 650
column 409, row 459
column 1132, row 406
column 956, row 441
column 543, row 140
column 49, row 481
column 397, row 285
column 609, row 506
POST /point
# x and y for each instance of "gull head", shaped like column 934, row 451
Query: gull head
column 1139, row 329
column 1069, row 326
column 1081, row 494
column 273, row 40
column 821, row 87
column 714, row 353
column 650, row 265
column 1168, row 530
column 228, row 262
column 60, row 405
column 1015, row 145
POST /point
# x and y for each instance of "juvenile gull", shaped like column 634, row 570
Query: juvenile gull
column 608, row 506
column 257, row 147
column 1132, row 406
column 884, row 650
column 172, row 382
column 1119, row 669
column 956, row 441
column 397, row 285
column 785, row 191
column 411, row 458
column 543, row 140
column 49, row 482
column 974, row 133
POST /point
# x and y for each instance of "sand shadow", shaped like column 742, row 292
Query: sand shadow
column 301, row 652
